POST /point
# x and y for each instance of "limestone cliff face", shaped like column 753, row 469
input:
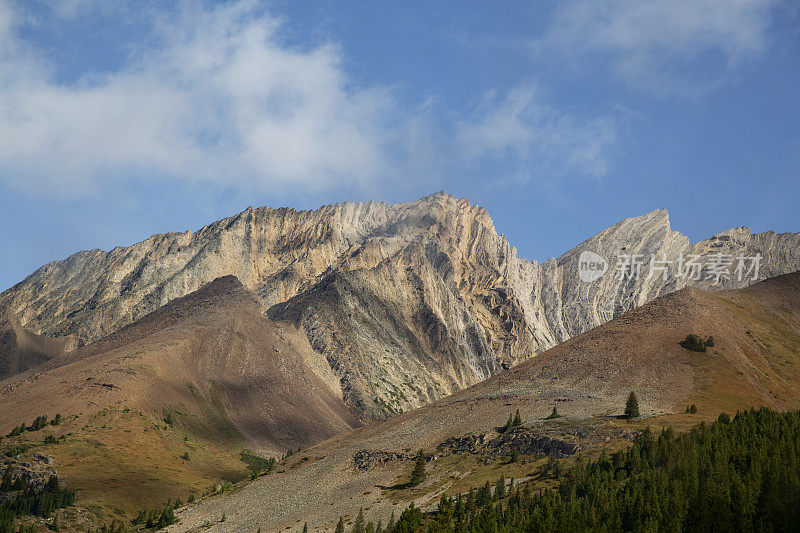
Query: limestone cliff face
column 407, row 302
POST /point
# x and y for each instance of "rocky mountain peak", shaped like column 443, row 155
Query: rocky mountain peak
column 407, row 302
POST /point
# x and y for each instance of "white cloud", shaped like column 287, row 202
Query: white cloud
column 218, row 98
column 542, row 140
column 667, row 47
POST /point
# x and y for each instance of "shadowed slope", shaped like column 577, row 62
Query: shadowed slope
column 211, row 347
column 209, row 364
column 21, row 350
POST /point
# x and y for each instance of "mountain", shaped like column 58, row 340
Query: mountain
column 207, row 375
column 754, row 361
column 212, row 350
column 406, row 303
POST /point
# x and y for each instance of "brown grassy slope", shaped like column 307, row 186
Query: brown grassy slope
column 211, row 348
column 21, row 350
column 228, row 377
column 641, row 351
column 756, row 361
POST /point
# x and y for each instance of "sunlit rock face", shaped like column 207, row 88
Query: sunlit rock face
column 407, row 303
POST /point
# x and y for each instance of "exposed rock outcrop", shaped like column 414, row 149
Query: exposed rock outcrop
column 407, row 303
column 526, row 441
column 368, row 459
column 36, row 470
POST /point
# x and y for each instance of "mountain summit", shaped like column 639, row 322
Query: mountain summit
column 406, row 303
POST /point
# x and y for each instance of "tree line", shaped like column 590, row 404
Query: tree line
column 29, row 500
column 740, row 474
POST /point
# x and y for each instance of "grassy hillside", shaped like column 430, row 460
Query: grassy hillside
column 162, row 409
column 752, row 362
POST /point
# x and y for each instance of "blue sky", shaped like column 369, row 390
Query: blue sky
column 561, row 118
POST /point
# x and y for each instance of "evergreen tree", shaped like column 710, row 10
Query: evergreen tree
column 554, row 414
column 500, row 489
column 358, row 526
column 694, row 343
column 167, row 517
column 517, row 420
column 38, row 423
column 410, row 520
column 483, row 496
column 444, row 515
column 305, row 528
column 418, row 474
column 508, row 423
column 340, row 526
column 632, row 406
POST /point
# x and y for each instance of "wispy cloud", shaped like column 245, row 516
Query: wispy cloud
column 540, row 139
column 217, row 97
column 666, row 47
